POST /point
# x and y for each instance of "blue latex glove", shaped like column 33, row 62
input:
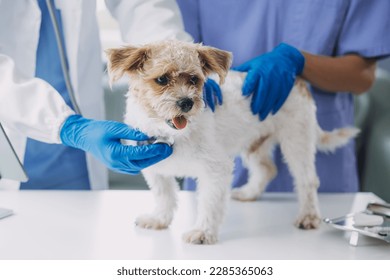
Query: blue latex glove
column 212, row 94
column 271, row 77
column 102, row 139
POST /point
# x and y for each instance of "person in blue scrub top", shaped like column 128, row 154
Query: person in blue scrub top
column 332, row 44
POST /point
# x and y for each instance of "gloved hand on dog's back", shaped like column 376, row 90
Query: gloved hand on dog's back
column 102, row 140
column 271, row 77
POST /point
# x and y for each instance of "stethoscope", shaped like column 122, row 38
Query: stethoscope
column 61, row 50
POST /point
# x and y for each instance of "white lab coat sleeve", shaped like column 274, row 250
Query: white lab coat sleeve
column 145, row 21
column 30, row 105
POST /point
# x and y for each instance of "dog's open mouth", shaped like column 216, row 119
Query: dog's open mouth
column 178, row 122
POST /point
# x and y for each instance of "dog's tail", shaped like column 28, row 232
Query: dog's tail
column 329, row 141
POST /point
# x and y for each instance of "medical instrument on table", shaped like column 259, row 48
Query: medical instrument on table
column 374, row 222
column 61, row 51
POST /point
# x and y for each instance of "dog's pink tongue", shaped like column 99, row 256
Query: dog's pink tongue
column 179, row 122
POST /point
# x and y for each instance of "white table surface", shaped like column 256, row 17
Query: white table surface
column 100, row 225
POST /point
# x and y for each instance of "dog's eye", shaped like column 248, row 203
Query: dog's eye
column 194, row 80
column 162, row 80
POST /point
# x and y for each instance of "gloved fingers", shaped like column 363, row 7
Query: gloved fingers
column 272, row 94
column 282, row 98
column 258, row 97
column 251, row 82
column 124, row 131
column 217, row 94
column 146, row 151
column 207, row 96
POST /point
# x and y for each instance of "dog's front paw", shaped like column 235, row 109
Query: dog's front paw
column 151, row 222
column 198, row 236
column 308, row 221
column 244, row 194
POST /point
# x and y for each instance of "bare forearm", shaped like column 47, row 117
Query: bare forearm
column 350, row 73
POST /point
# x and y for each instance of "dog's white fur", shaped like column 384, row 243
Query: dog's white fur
column 205, row 148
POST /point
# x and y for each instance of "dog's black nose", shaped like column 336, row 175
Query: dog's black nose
column 185, row 104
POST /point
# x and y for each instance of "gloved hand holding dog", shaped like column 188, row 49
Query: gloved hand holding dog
column 270, row 79
column 102, row 139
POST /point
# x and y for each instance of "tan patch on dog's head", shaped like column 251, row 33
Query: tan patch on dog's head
column 164, row 74
column 215, row 61
column 125, row 60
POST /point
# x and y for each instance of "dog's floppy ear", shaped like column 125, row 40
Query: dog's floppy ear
column 214, row 60
column 125, row 59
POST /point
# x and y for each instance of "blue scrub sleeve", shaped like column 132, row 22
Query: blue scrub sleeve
column 366, row 28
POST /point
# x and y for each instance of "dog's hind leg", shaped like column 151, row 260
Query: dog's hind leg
column 213, row 187
column 261, row 168
column 299, row 147
column 164, row 190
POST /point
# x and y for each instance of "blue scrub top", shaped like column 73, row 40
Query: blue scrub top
column 53, row 166
column 249, row 28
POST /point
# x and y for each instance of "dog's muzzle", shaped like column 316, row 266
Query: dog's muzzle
column 185, row 104
column 179, row 122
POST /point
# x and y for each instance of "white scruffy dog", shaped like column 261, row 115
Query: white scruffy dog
column 165, row 101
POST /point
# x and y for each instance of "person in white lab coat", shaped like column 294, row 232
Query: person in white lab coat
column 31, row 107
